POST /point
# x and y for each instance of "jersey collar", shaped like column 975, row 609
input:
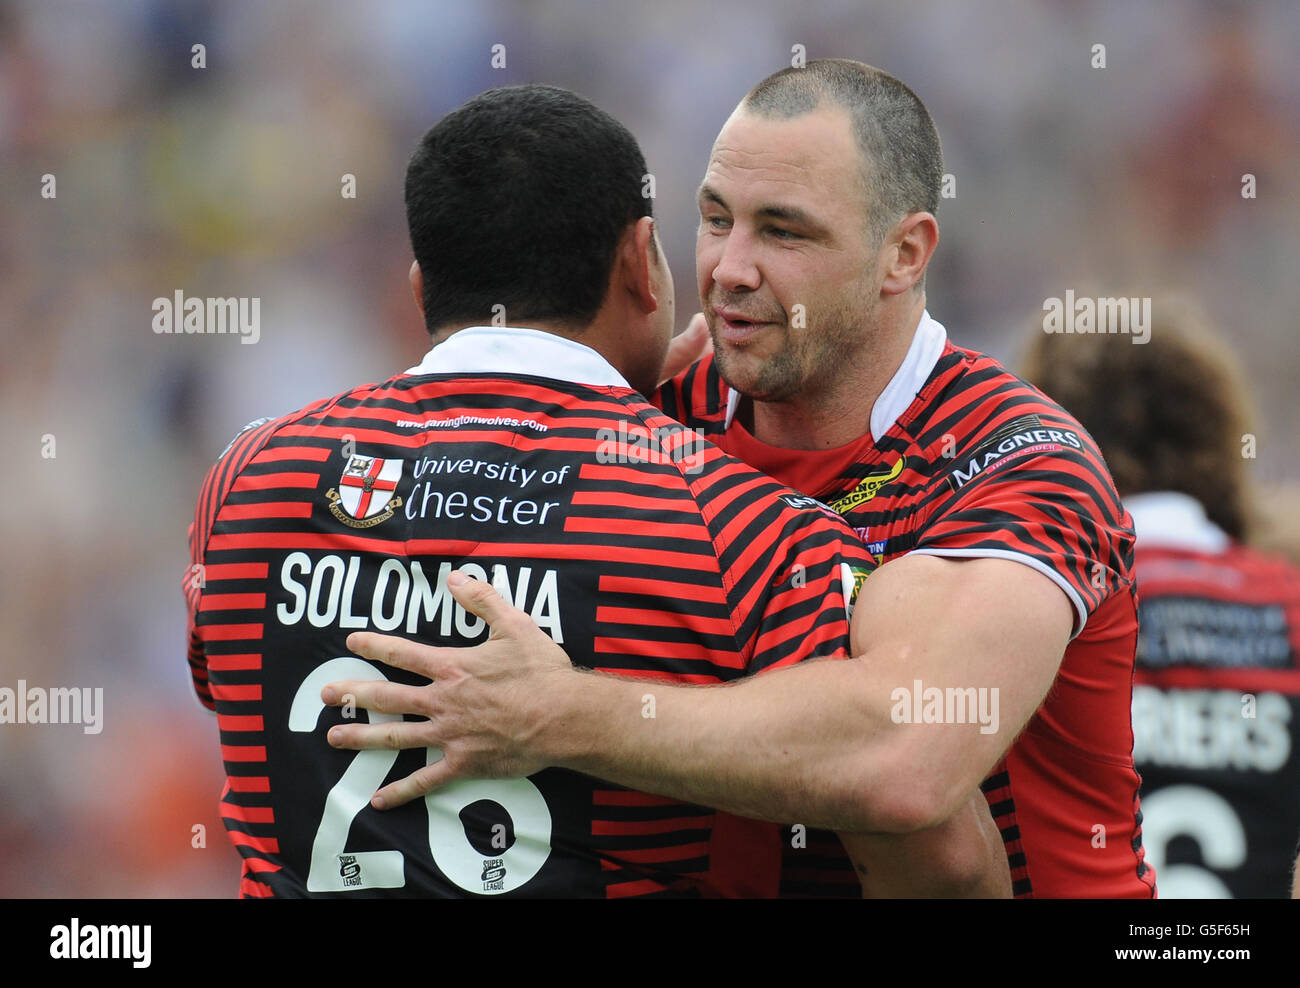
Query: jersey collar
column 517, row 350
column 927, row 346
column 1174, row 520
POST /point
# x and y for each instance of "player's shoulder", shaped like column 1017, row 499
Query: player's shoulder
column 977, row 397
column 260, row 431
column 977, row 414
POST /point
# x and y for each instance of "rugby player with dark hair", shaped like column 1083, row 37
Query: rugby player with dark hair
column 520, row 451
column 994, row 646
column 1216, row 700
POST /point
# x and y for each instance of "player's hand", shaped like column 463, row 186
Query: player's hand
column 686, row 347
column 486, row 704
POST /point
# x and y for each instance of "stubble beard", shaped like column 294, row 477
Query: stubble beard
column 803, row 369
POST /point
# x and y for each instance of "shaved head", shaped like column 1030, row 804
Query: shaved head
column 902, row 162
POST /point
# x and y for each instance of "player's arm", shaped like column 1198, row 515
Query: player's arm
column 963, row 857
column 191, row 586
column 216, row 485
column 823, row 742
column 830, row 737
column 195, row 578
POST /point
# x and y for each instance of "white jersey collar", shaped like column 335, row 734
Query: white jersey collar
column 927, row 345
column 516, row 350
column 1174, row 520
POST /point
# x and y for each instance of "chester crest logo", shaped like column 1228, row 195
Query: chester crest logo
column 366, row 480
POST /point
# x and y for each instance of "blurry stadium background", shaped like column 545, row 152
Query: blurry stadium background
column 225, row 181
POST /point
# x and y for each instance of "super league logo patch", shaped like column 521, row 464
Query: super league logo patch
column 361, row 500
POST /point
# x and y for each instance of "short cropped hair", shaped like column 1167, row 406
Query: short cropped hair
column 519, row 198
column 902, row 158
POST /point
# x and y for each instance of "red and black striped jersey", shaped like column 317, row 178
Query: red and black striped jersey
column 963, row 459
column 638, row 546
column 1216, row 705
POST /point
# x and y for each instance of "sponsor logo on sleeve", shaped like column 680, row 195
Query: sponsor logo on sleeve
column 802, row 502
column 1022, row 437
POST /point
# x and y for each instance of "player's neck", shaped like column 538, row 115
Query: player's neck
column 841, row 412
column 803, row 425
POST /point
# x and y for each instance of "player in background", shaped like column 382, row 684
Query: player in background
column 1216, row 701
column 1006, row 552
column 522, row 454
column 1276, row 520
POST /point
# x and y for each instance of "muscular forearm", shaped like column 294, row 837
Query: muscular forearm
column 817, row 743
column 812, row 744
column 962, row 858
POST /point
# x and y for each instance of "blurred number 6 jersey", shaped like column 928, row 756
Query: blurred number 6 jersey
column 642, row 549
column 1216, row 705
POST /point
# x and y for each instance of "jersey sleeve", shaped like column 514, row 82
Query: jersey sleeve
column 216, row 485
column 220, row 479
column 1036, row 490
column 790, row 566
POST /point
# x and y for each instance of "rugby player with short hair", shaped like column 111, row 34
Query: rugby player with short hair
column 525, row 455
column 1216, row 700
column 994, row 646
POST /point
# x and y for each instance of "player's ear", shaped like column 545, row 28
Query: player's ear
column 637, row 256
column 908, row 251
column 417, row 286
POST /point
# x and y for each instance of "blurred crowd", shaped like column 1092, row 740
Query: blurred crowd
column 225, row 181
